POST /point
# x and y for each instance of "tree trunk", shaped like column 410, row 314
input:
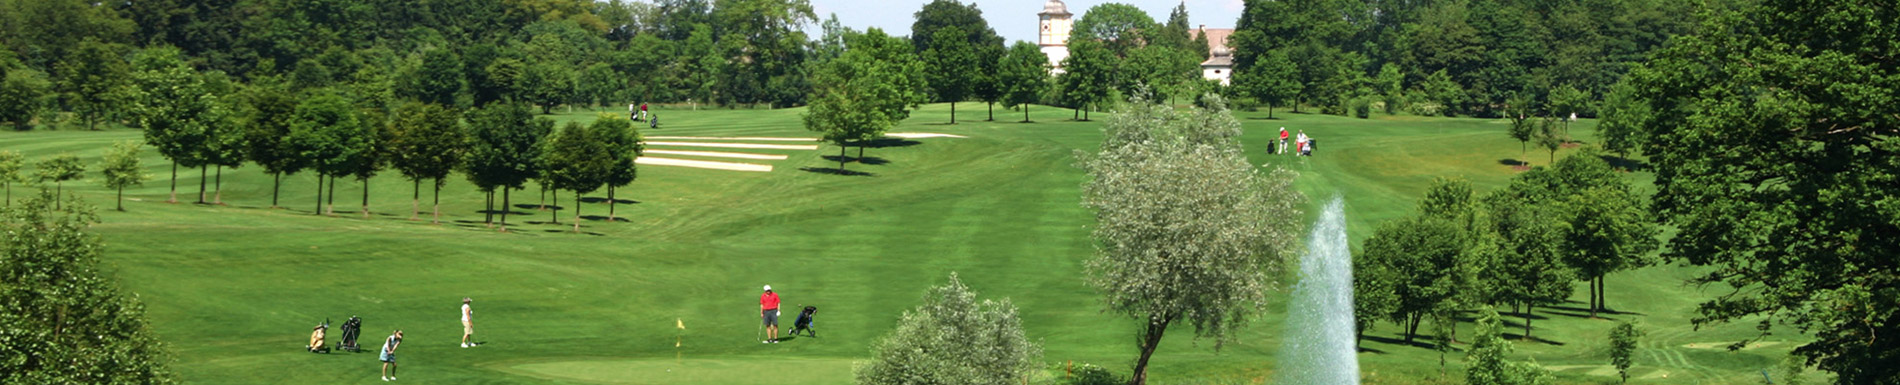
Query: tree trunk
column 610, row 203
column 504, row 208
column 276, row 181
column 1077, row 114
column 122, row 199
column 217, row 197
column 992, row 112
column 841, row 149
column 1150, row 339
column 329, row 203
column 953, row 112
column 415, row 202
column 174, row 198
column 488, row 216
column 204, row 170
column 1025, row 113
column 319, row 209
column 544, row 197
column 1411, row 326
column 9, row 194
column 577, row 211
column 365, row 181
column 1528, row 308
column 438, row 202
column 554, row 214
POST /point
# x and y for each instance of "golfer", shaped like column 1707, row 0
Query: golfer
column 389, row 355
column 1282, row 148
column 468, row 323
column 768, row 309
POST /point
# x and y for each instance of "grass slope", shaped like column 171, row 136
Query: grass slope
column 235, row 288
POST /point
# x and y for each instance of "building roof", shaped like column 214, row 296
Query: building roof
column 1218, row 54
column 1055, row 7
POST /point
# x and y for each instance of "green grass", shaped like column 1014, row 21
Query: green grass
column 234, row 289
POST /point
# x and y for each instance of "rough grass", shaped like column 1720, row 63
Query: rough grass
column 234, row 289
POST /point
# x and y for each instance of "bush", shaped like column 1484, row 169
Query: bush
column 1362, row 107
column 1425, row 108
column 1089, row 374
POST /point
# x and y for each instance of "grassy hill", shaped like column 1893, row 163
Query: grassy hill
column 235, row 288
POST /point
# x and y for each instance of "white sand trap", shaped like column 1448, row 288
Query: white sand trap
column 921, row 135
column 716, row 154
column 706, row 164
column 1724, row 345
column 745, row 138
column 738, row 145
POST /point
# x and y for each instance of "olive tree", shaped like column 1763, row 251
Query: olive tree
column 953, row 339
column 1188, row 232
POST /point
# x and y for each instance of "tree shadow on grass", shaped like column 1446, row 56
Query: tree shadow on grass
column 510, row 212
column 570, row 230
column 603, row 218
column 1363, row 349
column 1513, row 162
column 887, row 142
column 539, row 207
column 1417, row 342
column 1520, row 338
column 1625, row 163
column 835, row 171
column 604, row 200
column 1581, row 312
column 870, row 160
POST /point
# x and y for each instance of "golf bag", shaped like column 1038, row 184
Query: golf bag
column 804, row 322
column 317, row 335
column 351, row 328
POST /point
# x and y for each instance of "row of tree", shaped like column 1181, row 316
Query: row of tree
column 119, row 169
column 1521, row 246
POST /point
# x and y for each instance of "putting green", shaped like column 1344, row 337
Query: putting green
column 728, row 370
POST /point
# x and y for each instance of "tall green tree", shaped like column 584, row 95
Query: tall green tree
column 1772, row 140
column 328, row 133
column 120, row 169
column 170, row 101
column 547, row 84
column 1609, row 228
column 67, row 322
column 575, row 160
column 1623, row 339
column 1525, row 218
column 950, row 67
column 1374, row 293
column 504, row 141
column 1119, row 27
column 625, row 145
column 267, row 109
column 426, row 141
column 953, row 339
column 1088, row 74
column 985, row 46
column 438, row 78
column 1188, row 232
column 1023, row 75
column 93, row 79
column 59, row 169
column 1273, row 80
column 869, row 89
column 1422, row 252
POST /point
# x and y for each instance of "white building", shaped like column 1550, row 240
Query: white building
column 1220, row 59
column 1054, row 33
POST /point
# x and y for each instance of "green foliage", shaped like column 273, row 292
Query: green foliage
column 267, row 109
column 329, row 134
column 547, row 84
column 11, row 162
column 1623, row 118
column 1485, row 363
column 66, row 321
column 59, row 169
column 436, row 79
column 503, row 143
column 93, row 80
column 1273, row 80
column 599, row 84
column 1119, row 27
column 1089, row 73
column 23, row 94
column 1772, row 138
column 170, row 101
column 1374, row 292
column 1549, row 133
column 624, row 146
column 950, row 67
column 426, row 141
column 575, row 159
column 121, row 168
column 1188, row 232
column 1421, row 253
column 1623, row 340
column 1091, row 374
column 953, row 339
column 1023, row 75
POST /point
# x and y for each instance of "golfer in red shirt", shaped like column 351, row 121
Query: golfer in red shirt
column 768, row 309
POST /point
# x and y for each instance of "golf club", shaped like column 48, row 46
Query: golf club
column 760, row 336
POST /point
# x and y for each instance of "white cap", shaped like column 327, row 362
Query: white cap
column 768, row 287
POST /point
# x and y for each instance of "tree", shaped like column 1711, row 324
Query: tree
column 953, row 339
column 1119, row 27
column 425, row 142
column 1772, row 161
column 950, row 68
column 1549, row 134
column 23, row 94
column 859, row 95
column 1608, row 226
column 1188, row 232
column 10, row 164
column 1088, row 73
column 624, row 146
column 329, row 135
column 59, row 169
column 121, row 169
column 1524, row 217
column 1023, row 75
column 547, row 85
column 437, row 79
column 1519, row 110
column 598, row 84
column 267, row 110
column 171, row 103
column 66, row 321
column 92, row 80
column 1485, row 363
column 224, row 140
column 1274, row 80
column 1374, row 294
column 504, row 141
column 1421, row 252
column 1623, row 115
column 1622, row 346
column 985, row 47
column 575, row 159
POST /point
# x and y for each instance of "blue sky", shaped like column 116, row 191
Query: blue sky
column 1014, row 19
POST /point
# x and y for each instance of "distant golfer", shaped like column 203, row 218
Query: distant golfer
column 768, row 309
column 468, row 323
column 643, row 110
column 389, row 355
column 1283, row 135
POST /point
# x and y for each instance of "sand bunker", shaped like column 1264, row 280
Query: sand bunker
column 648, row 160
column 716, row 154
column 1724, row 345
column 921, row 135
column 745, row 138
column 738, row 145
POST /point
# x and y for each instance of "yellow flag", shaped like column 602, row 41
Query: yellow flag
column 681, row 324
